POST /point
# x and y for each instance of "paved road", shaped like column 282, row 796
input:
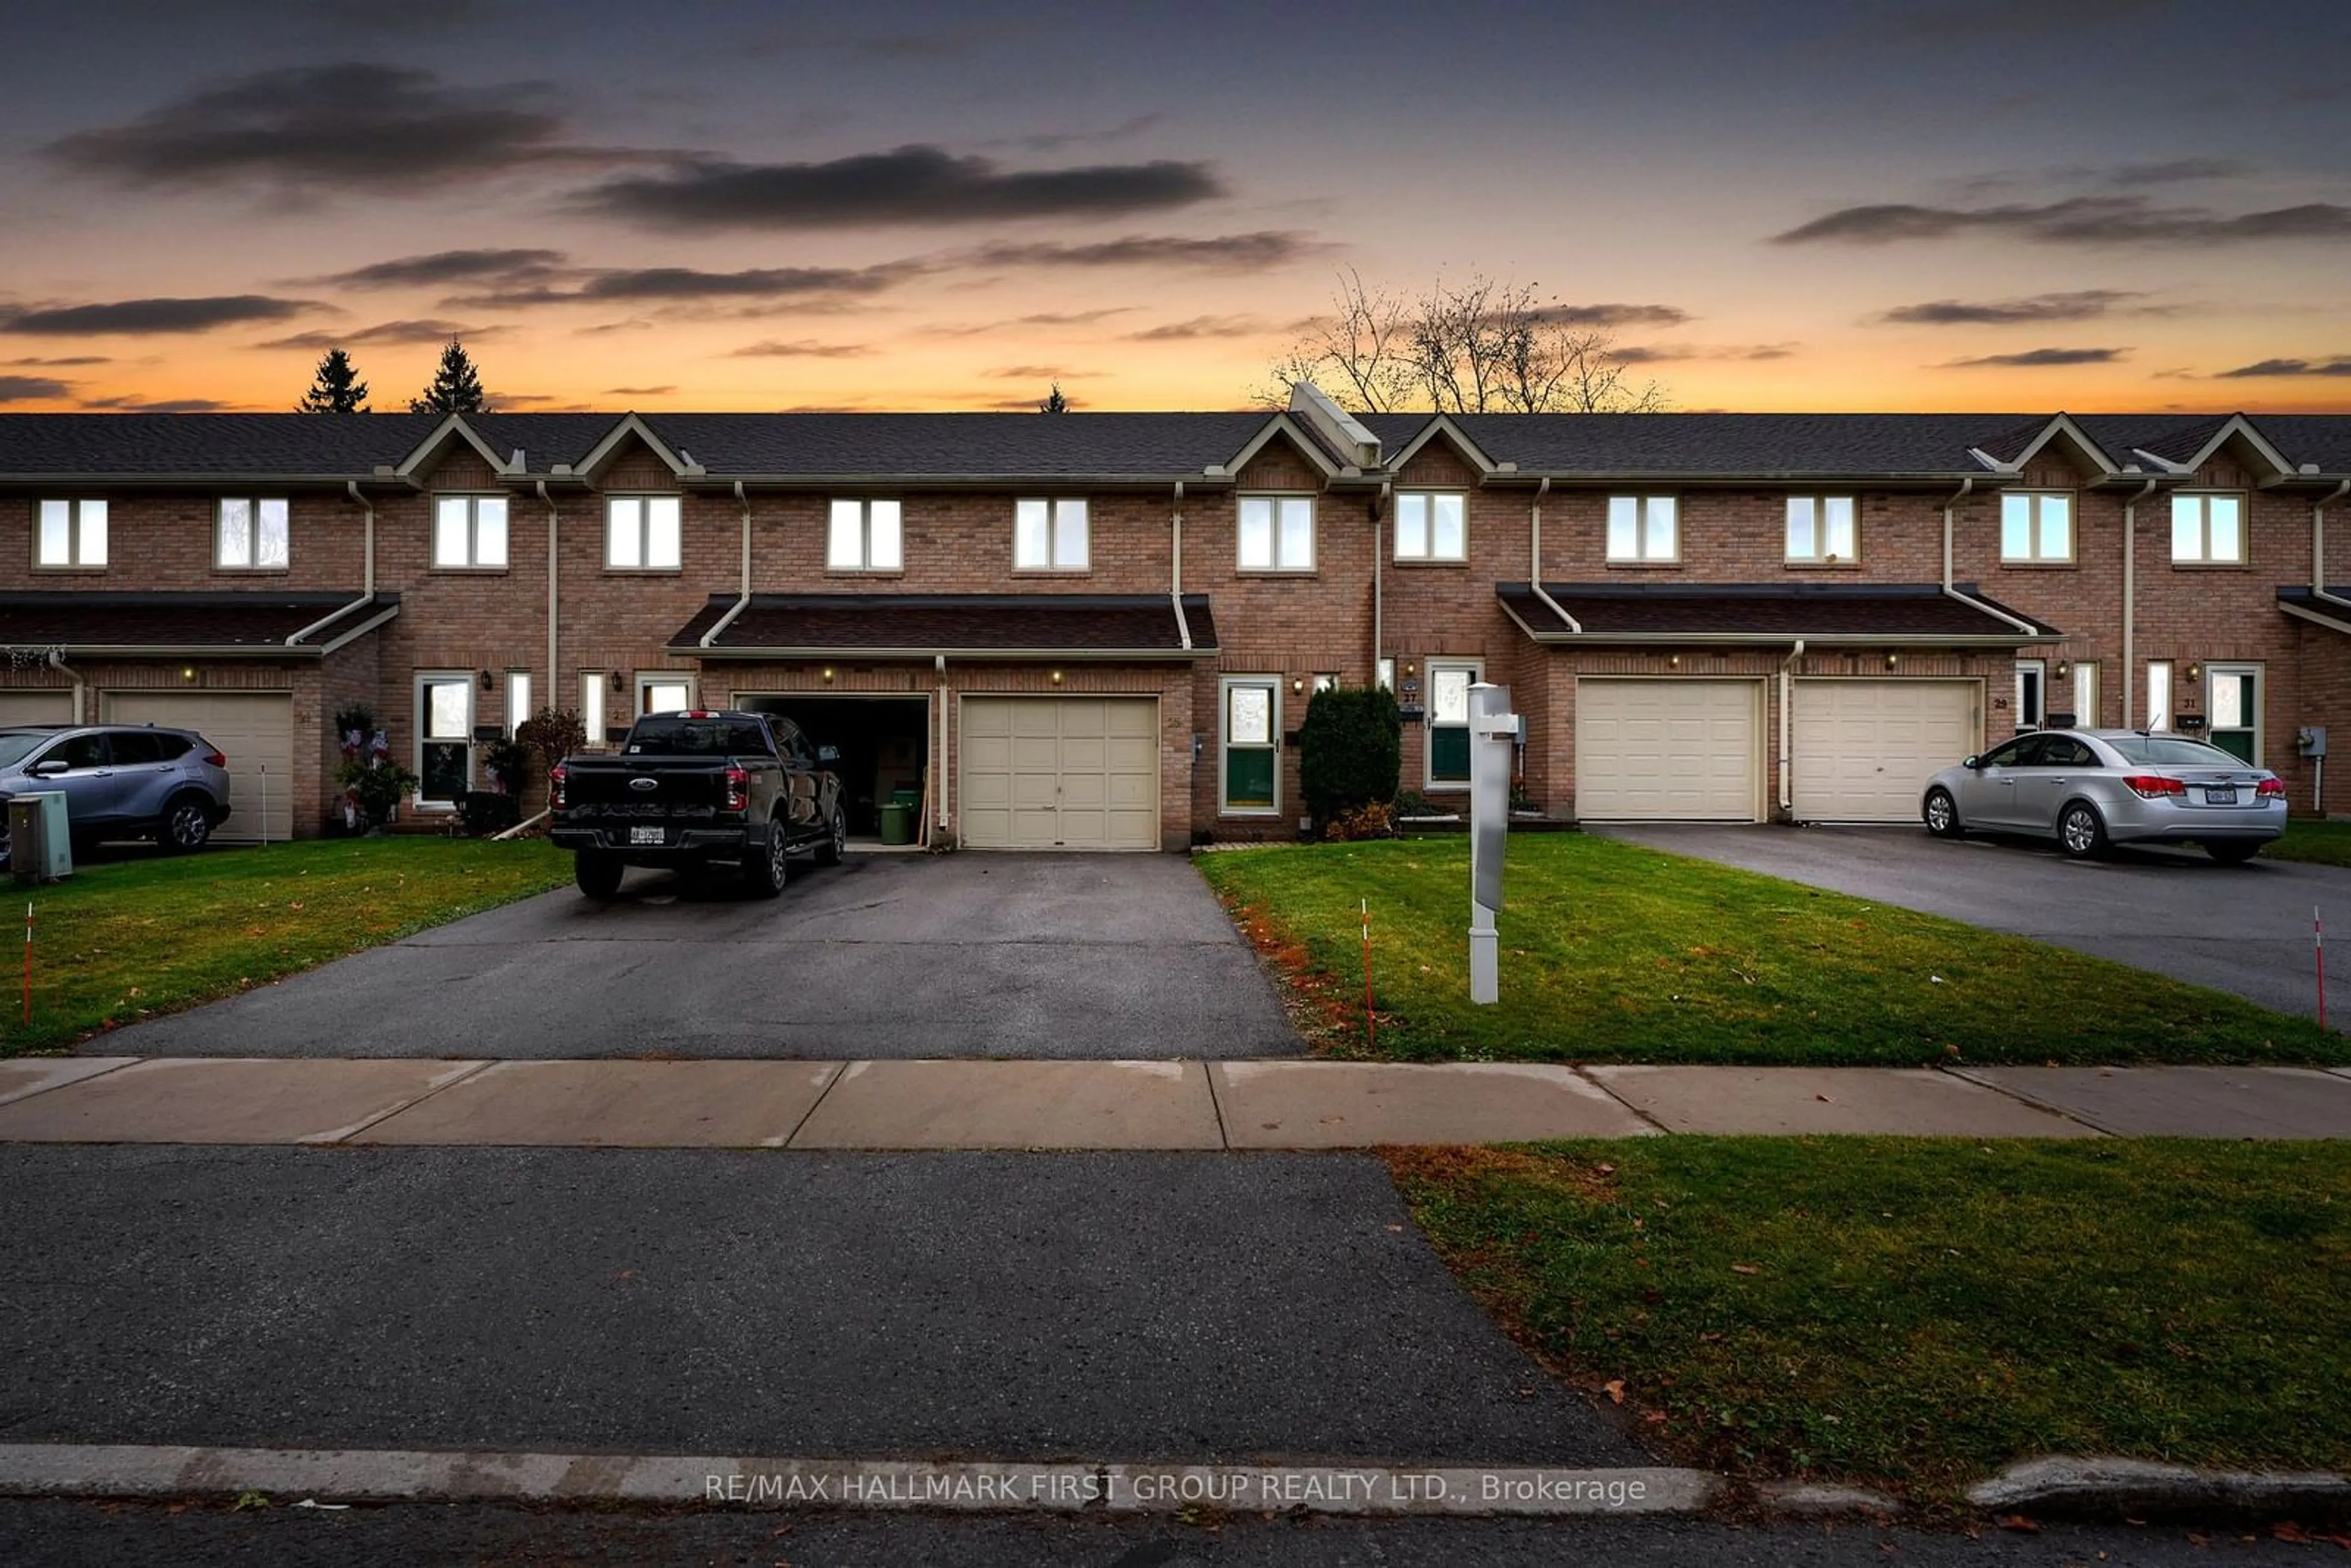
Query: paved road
column 2243, row 929
column 103, row 1536
column 1144, row 1306
column 888, row 955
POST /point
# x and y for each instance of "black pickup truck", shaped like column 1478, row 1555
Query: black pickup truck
column 690, row 787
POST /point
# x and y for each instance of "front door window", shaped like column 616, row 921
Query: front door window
column 2235, row 706
column 1252, row 773
column 445, row 724
column 1448, row 725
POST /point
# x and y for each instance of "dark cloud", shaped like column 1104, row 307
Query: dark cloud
column 1200, row 327
column 1059, row 141
column 2078, row 220
column 161, row 315
column 1042, row 318
column 2325, row 365
column 679, row 284
column 442, row 267
column 2077, row 305
column 1997, row 23
column 62, row 363
column 1224, row 252
column 126, row 403
column 29, row 389
column 2037, row 359
column 638, row 392
column 912, row 184
column 1613, row 315
column 801, row 348
column 1040, row 373
column 330, row 127
column 428, row 331
column 1662, row 354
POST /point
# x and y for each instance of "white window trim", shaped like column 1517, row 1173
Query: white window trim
column 1225, row 684
column 2085, row 685
column 2036, row 555
column 2038, row 668
column 1643, row 528
column 2170, row 702
column 517, row 700
column 1280, row 567
column 2261, row 700
column 2204, row 527
column 1429, row 782
column 1428, row 524
column 253, row 564
column 592, row 683
column 648, row 679
column 1054, row 519
column 473, row 561
column 640, row 499
column 76, row 533
column 428, row 678
column 1820, row 555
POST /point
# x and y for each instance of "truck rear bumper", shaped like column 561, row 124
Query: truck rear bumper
column 682, row 843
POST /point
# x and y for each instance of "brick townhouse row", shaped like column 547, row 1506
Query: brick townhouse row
column 1103, row 630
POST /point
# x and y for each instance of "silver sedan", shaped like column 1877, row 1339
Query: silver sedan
column 2089, row 788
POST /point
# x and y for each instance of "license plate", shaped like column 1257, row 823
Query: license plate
column 2220, row 797
column 648, row 835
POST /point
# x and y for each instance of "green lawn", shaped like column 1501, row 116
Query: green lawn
column 1612, row 952
column 1921, row 1311
column 122, row 939
column 2318, row 842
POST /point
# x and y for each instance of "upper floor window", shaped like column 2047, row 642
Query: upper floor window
column 1643, row 528
column 1049, row 536
column 1821, row 530
column 2036, row 525
column 865, row 536
column 1277, row 533
column 251, row 536
column 642, row 533
column 71, row 533
column 2207, row 528
column 469, row 531
column 1432, row 526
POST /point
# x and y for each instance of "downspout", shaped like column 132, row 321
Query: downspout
column 743, row 602
column 2130, row 591
column 1379, row 583
column 367, row 569
column 1175, row 568
column 1787, row 725
column 1967, row 488
column 939, row 768
column 57, row 663
column 554, row 677
column 1534, row 567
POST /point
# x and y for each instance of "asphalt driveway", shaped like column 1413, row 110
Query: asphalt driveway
column 2243, row 929
column 886, row 955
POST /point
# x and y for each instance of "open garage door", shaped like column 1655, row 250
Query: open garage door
column 1863, row 749
column 1668, row 750
column 254, row 730
column 1075, row 773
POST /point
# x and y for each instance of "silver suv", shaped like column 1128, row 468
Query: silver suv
column 122, row 781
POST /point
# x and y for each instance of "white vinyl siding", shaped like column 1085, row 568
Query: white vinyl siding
column 252, row 535
column 1050, row 535
column 864, row 536
column 642, row 533
column 70, row 536
column 1432, row 525
column 2208, row 530
column 1277, row 533
column 2036, row 525
column 1822, row 529
column 469, row 533
column 1863, row 749
column 1644, row 528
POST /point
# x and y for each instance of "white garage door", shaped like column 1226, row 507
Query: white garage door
column 254, row 729
column 1863, row 750
column 35, row 707
column 1042, row 773
column 1667, row 749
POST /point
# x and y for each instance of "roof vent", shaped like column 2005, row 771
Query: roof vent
column 560, row 468
column 2309, row 468
column 1345, row 433
column 515, row 464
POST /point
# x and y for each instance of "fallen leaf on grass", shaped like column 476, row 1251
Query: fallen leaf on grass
column 1745, row 1267
column 2017, row 1522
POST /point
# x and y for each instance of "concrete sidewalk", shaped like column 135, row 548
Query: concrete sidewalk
column 1049, row 1104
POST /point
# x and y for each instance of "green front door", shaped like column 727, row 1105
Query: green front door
column 2235, row 710
column 1252, row 739
column 1449, row 724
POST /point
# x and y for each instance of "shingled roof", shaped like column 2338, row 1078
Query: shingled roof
column 1071, row 625
column 219, row 622
column 1767, row 612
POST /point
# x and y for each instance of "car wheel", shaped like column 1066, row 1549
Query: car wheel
column 2229, row 852
column 185, row 826
column 1942, row 815
column 766, row 871
column 836, row 843
column 599, row 875
column 2082, row 830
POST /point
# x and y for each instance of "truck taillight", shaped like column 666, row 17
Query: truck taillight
column 556, row 778
column 2270, row 786
column 2153, row 786
column 738, row 787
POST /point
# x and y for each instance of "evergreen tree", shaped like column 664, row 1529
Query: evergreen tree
column 1054, row 401
column 336, row 388
column 456, row 387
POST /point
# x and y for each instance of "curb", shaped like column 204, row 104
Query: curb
column 122, row 1470
column 2106, row 1489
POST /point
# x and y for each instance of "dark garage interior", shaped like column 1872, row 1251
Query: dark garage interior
column 884, row 744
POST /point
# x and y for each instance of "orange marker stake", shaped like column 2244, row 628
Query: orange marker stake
column 1371, row 1025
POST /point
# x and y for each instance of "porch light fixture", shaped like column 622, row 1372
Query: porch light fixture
column 487, row 683
column 1676, row 660
column 187, row 671
column 1297, row 686
column 828, row 675
column 1057, row 678
column 2195, row 671
column 1892, row 660
column 1410, row 668
column 2065, row 668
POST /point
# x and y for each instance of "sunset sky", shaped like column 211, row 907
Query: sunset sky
column 2027, row 204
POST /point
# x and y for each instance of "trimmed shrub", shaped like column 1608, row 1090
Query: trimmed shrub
column 1351, row 751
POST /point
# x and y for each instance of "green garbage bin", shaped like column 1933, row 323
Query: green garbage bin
column 907, row 795
column 898, row 823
